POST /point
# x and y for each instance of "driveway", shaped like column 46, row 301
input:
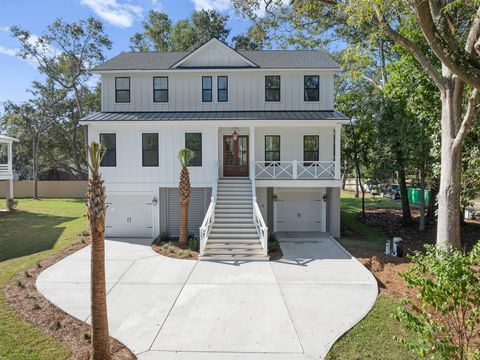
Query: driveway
column 168, row 309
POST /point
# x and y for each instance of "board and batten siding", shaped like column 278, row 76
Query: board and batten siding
column 130, row 175
column 246, row 91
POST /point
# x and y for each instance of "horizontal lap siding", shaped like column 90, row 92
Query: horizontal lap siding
column 196, row 210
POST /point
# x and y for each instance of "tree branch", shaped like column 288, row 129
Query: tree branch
column 443, row 43
column 472, row 111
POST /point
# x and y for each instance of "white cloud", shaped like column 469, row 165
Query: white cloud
column 219, row 5
column 122, row 15
column 8, row 51
column 157, row 5
column 5, row 28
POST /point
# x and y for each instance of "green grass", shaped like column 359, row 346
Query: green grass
column 372, row 338
column 37, row 230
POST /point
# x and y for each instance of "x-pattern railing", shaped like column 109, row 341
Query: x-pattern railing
column 294, row 169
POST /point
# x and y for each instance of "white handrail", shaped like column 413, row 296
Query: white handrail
column 294, row 169
column 262, row 229
column 209, row 218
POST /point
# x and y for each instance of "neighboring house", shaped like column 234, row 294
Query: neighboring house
column 6, row 167
column 263, row 122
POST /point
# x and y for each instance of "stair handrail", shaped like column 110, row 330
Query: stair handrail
column 262, row 229
column 209, row 218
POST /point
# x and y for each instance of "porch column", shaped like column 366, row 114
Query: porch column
column 10, row 158
column 8, row 193
column 338, row 138
column 251, row 155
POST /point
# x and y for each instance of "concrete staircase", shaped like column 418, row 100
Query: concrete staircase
column 233, row 235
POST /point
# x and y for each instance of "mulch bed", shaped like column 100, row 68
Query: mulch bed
column 23, row 297
column 175, row 249
column 275, row 254
column 389, row 221
column 386, row 268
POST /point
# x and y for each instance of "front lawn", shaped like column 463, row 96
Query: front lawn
column 372, row 338
column 36, row 230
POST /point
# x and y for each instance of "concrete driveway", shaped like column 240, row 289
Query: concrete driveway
column 168, row 309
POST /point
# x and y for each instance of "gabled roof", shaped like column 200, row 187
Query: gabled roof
column 263, row 59
column 216, row 116
column 209, row 45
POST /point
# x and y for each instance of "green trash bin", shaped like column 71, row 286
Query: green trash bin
column 414, row 195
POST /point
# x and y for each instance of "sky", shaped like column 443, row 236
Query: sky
column 121, row 18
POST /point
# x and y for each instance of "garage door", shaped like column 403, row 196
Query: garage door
column 299, row 210
column 129, row 215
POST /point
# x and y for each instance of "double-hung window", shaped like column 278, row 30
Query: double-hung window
column 310, row 149
column 311, row 88
column 122, row 89
column 206, row 89
column 160, row 89
column 272, row 88
column 109, row 142
column 272, row 149
column 222, row 88
column 193, row 141
column 150, row 149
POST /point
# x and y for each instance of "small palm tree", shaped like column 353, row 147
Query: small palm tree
column 184, row 156
column 96, row 219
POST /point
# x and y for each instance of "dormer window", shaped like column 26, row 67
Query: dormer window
column 160, row 89
column 222, row 89
column 206, row 89
column 311, row 85
column 122, row 89
column 272, row 88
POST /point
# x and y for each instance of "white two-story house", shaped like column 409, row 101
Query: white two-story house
column 264, row 131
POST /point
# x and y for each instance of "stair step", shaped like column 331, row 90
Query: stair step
column 228, row 236
column 233, row 252
column 233, row 224
column 233, row 230
column 232, row 258
column 232, row 211
column 232, row 247
column 233, row 241
column 233, row 206
column 232, row 219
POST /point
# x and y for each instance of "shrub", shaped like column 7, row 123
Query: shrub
column 35, row 306
column 185, row 253
column 446, row 316
column 273, row 242
column 84, row 232
column 162, row 238
column 55, row 325
column 193, row 242
column 86, row 335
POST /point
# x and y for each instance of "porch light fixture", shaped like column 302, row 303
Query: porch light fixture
column 275, row 197
column 154, row 201
column 235, row 135
column 325, row 197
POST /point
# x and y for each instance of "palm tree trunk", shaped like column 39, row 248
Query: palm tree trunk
column 183, row 239
column 100, row 338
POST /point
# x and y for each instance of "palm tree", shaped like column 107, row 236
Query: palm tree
column 96, row 219
column 184, row 156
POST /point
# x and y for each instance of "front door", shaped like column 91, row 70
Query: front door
column 235, row 156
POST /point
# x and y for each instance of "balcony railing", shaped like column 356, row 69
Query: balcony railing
column 5, row 169
column 293, row 170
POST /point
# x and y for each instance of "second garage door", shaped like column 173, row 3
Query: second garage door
column 129, row 215
column 300, row 210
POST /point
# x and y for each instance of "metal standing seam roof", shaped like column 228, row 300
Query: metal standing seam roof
column 265, row 59
column 215, row 115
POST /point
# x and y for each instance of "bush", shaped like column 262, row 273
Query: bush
column 273, row 242
column 447, row 314
column 162, row 238
column 193, row 242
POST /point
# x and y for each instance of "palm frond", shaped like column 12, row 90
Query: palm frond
column 185, row 156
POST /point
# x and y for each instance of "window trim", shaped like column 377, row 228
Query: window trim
column 129, row 90
column 279, row 88
column 223, row 89
column 206, row 89
column 305, row 88
column 143, row 150
column 167, row 89
column 268, row 162
column 305, row 162
column 201, row 146
column 100, row 141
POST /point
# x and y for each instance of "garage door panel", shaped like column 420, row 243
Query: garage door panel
column 299, row 210
column 129, row 215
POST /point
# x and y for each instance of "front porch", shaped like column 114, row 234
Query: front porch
column 281, row 154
